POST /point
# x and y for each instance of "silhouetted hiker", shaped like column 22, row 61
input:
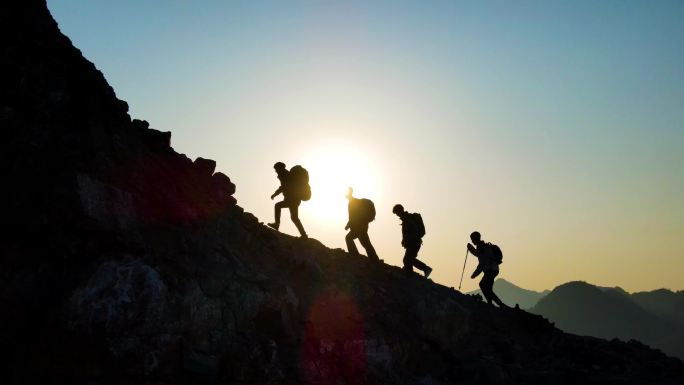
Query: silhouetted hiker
column 294, row 185
column 489, row 256
column 412, row 231
column 361, row 214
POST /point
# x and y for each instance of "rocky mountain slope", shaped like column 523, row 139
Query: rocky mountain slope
column 125, row 262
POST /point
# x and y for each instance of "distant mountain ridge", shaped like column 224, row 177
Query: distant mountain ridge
column 655, row 318
column 663, row 302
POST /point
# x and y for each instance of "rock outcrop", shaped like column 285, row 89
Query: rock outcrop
column 125, row 262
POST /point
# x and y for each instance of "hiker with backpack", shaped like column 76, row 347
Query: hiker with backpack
column 294, row 185
column 412, row 232
column 489, row 256
column 361, row 214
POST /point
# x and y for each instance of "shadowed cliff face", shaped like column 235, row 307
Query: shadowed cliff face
column 126, row 262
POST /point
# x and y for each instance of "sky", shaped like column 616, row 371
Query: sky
column 554, row 128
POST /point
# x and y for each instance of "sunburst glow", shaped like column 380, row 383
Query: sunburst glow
column 331, row 171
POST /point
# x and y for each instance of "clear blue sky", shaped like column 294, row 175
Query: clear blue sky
column 555, row 128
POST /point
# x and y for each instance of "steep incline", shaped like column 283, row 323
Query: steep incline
column 126, row 262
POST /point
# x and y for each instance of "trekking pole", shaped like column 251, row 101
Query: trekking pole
column 464, row 264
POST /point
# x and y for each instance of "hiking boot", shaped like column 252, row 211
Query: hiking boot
column 427, row 272
column 274, row 225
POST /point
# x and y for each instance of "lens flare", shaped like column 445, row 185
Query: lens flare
column 334, row 349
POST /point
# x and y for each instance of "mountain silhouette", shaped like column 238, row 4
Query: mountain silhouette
column 125, row 262
column 585, row 309
column 669, row 306
column 512, row 294
column 665, row 303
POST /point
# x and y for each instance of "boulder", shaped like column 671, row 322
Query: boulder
column 205, row 166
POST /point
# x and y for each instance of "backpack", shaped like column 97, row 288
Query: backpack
column 299, row 183
column 497, row 255
column 418, row 224
column 363, row 210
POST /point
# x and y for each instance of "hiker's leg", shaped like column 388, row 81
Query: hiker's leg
column 366, row 243
column 279, row 206
column 493, row 295
column 484, row 289
column 351, row 246
column 409, row 256
column 486, row 285
column 294, row 215
column 485, row 292
column 497, row 300
column 419, row 264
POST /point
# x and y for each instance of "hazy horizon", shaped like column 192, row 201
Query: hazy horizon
column 555, row 129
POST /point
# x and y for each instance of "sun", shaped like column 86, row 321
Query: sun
column 331, row 171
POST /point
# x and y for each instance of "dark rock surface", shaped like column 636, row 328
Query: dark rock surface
column 125, row 262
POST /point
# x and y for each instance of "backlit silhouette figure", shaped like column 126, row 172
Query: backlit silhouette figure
column 361, row 213
column 294, row 185
column 412, row 232
column 489, row 257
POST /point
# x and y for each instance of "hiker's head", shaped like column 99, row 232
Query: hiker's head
column 398, row 210
column 350, row 193
column 475, row 237
column 279, row 166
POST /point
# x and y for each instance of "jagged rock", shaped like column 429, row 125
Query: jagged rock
column 206, row 166
column 222, row 185
column 156, row 140
column 126, row 262
column 140, row 125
